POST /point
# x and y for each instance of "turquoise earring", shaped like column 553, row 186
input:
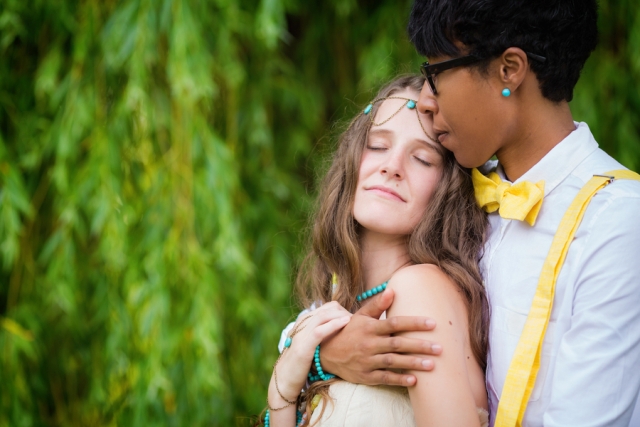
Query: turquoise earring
column 506, row 92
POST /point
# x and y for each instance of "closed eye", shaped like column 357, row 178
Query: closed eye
column 424, row 162
column 369, row 147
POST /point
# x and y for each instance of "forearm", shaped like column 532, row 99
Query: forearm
column 285, row 417
column 287, row 380
column 292, row 367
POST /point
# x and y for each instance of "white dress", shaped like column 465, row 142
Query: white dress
column 357, row 405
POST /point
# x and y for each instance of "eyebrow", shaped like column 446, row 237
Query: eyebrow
column 385, row 132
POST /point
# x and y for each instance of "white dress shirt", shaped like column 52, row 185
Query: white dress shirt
column 590, row 365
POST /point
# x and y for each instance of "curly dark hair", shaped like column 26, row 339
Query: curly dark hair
column 563, row 31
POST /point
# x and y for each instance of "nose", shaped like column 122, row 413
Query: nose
column 427, row 101
column 393, row 167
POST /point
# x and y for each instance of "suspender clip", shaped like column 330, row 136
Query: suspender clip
column 611, row 178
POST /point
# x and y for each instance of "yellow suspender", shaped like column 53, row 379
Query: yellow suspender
column 525, row 364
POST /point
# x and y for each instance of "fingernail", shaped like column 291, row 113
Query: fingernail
column 436, row 348
column 346, row 319
column 427, row 364
column 411, row 381
column 430, row 323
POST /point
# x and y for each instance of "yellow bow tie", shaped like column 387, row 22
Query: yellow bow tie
column 521, row 201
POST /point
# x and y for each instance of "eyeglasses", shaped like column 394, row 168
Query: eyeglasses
column 429, row 71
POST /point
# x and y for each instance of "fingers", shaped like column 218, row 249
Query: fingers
column 330, row 311
column 320, row 324
column 402, row 362
column 406, row 345
column 399, row 324
column 329, row 328
column 379, row 304
column 390, row 378
column 384, row 363
column 332, row 306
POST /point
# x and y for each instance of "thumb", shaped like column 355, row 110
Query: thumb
column 379, row 304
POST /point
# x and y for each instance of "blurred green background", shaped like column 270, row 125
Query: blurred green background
column 157, row 167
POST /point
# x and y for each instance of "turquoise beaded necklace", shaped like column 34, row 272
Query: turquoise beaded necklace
column 371, row 292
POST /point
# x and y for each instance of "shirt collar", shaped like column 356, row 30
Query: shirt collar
column 558, row 163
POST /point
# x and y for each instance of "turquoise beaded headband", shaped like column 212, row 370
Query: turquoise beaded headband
column 410, row 104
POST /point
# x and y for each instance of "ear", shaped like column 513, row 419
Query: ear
column 514, row 66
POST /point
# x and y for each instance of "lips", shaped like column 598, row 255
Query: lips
column 440, row 134
column 385, row 192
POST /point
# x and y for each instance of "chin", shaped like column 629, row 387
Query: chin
column 470, row 163
column 383, row 226
column 387, row 233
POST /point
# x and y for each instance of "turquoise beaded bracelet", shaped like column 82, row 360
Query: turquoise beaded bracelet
column 267, row 418
column 321, row 374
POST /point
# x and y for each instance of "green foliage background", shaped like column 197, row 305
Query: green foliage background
column 157, row 163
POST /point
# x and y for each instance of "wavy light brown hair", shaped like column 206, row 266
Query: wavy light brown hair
column 450, row 234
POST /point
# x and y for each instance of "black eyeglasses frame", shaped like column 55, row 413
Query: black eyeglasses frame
column 430, row 70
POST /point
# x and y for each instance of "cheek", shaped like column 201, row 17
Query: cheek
column 363, row 177
column 471, row 106
column 477, row 130
column 366, row 167
column 426, row 187
column 369, row 171
column 426, row 197
column 355, row 208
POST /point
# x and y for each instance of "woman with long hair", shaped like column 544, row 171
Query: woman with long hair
column 395, row 212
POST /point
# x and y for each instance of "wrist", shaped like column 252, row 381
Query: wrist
column 325, row 359
column 291, row 370
column 321, row 373
column 282, row 393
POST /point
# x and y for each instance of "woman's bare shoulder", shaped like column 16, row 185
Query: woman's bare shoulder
column 422, row 278
column 424, row 288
